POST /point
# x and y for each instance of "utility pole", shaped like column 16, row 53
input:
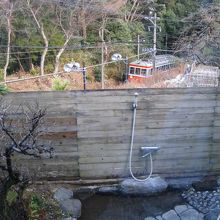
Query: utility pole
column 153, row 21
column 138, row 50
column 102, row 71
column 126, row 68
column 84, row 76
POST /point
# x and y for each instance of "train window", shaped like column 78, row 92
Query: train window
column 147, row 72
column 143, row 72
column 131, row 70
column 137, row 72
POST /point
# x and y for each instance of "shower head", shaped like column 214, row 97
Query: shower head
column 135, row 100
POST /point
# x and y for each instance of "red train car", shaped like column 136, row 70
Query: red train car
column 141, row 69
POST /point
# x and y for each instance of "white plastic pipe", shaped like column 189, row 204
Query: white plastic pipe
column 132, row 144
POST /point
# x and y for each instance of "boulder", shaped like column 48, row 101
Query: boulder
column 191, row 214
column 108, row 190
column 181, row 183
column 149, row 187
column 150, row 218
column 170, row 215
column 62, row 194
column 180, row 208
column 213, row 215
column 72, row 207
column 69, row 218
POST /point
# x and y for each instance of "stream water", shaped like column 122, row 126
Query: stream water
column 112, row 207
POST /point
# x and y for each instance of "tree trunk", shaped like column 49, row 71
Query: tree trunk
column 8, row 44
column 31, row 65
column 83, row 21
column 57, row 61
column 6, row 184
column 6, row 211
column 84, row 29
column 43, row 56
column 46, row 43
column 129, row 16
column 20, row 65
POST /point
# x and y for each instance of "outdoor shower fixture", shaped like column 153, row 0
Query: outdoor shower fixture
column 145, row 151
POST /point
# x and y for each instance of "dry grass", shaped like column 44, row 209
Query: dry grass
column 76, row 81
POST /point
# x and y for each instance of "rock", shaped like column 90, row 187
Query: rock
column 150, row 218
column 180, row 208
column 218, row 182
column 62, row 194
column 181, row 183
column 72, row 207
column 201, row 216
column 191, row 214
column 159, row 217
column 69, row 218
column 108, row 190
column 170, row 215
column 213, row 215
column 152, row 186
column 88, row 189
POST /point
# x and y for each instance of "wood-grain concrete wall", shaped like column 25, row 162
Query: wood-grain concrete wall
column 91, row 132
column 215, row 152
column 60, row 129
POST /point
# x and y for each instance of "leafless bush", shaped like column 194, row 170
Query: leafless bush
column 19, row 132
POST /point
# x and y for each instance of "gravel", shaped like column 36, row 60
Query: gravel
column 203, row 201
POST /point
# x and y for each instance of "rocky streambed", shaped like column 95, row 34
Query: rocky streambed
column 151, row 200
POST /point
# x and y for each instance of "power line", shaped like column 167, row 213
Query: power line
column 53, row 56
column 62, row 72
column 76, row 47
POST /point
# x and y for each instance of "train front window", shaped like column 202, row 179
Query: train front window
column 131, row 70
column 143, row 72
column 137, row 72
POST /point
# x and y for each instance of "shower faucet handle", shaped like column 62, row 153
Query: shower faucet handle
column 148, row 150
column 135, row 100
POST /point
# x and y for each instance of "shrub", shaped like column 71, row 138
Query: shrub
column 115, row 71
column 97, row 73
column 59, row 84
column 1, row 74
column 39, row 205
column 35, row 71
column 35, row 207
column 49, row 68
column 3, row 89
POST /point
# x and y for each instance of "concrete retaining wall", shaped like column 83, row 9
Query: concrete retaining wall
column 91, row 132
